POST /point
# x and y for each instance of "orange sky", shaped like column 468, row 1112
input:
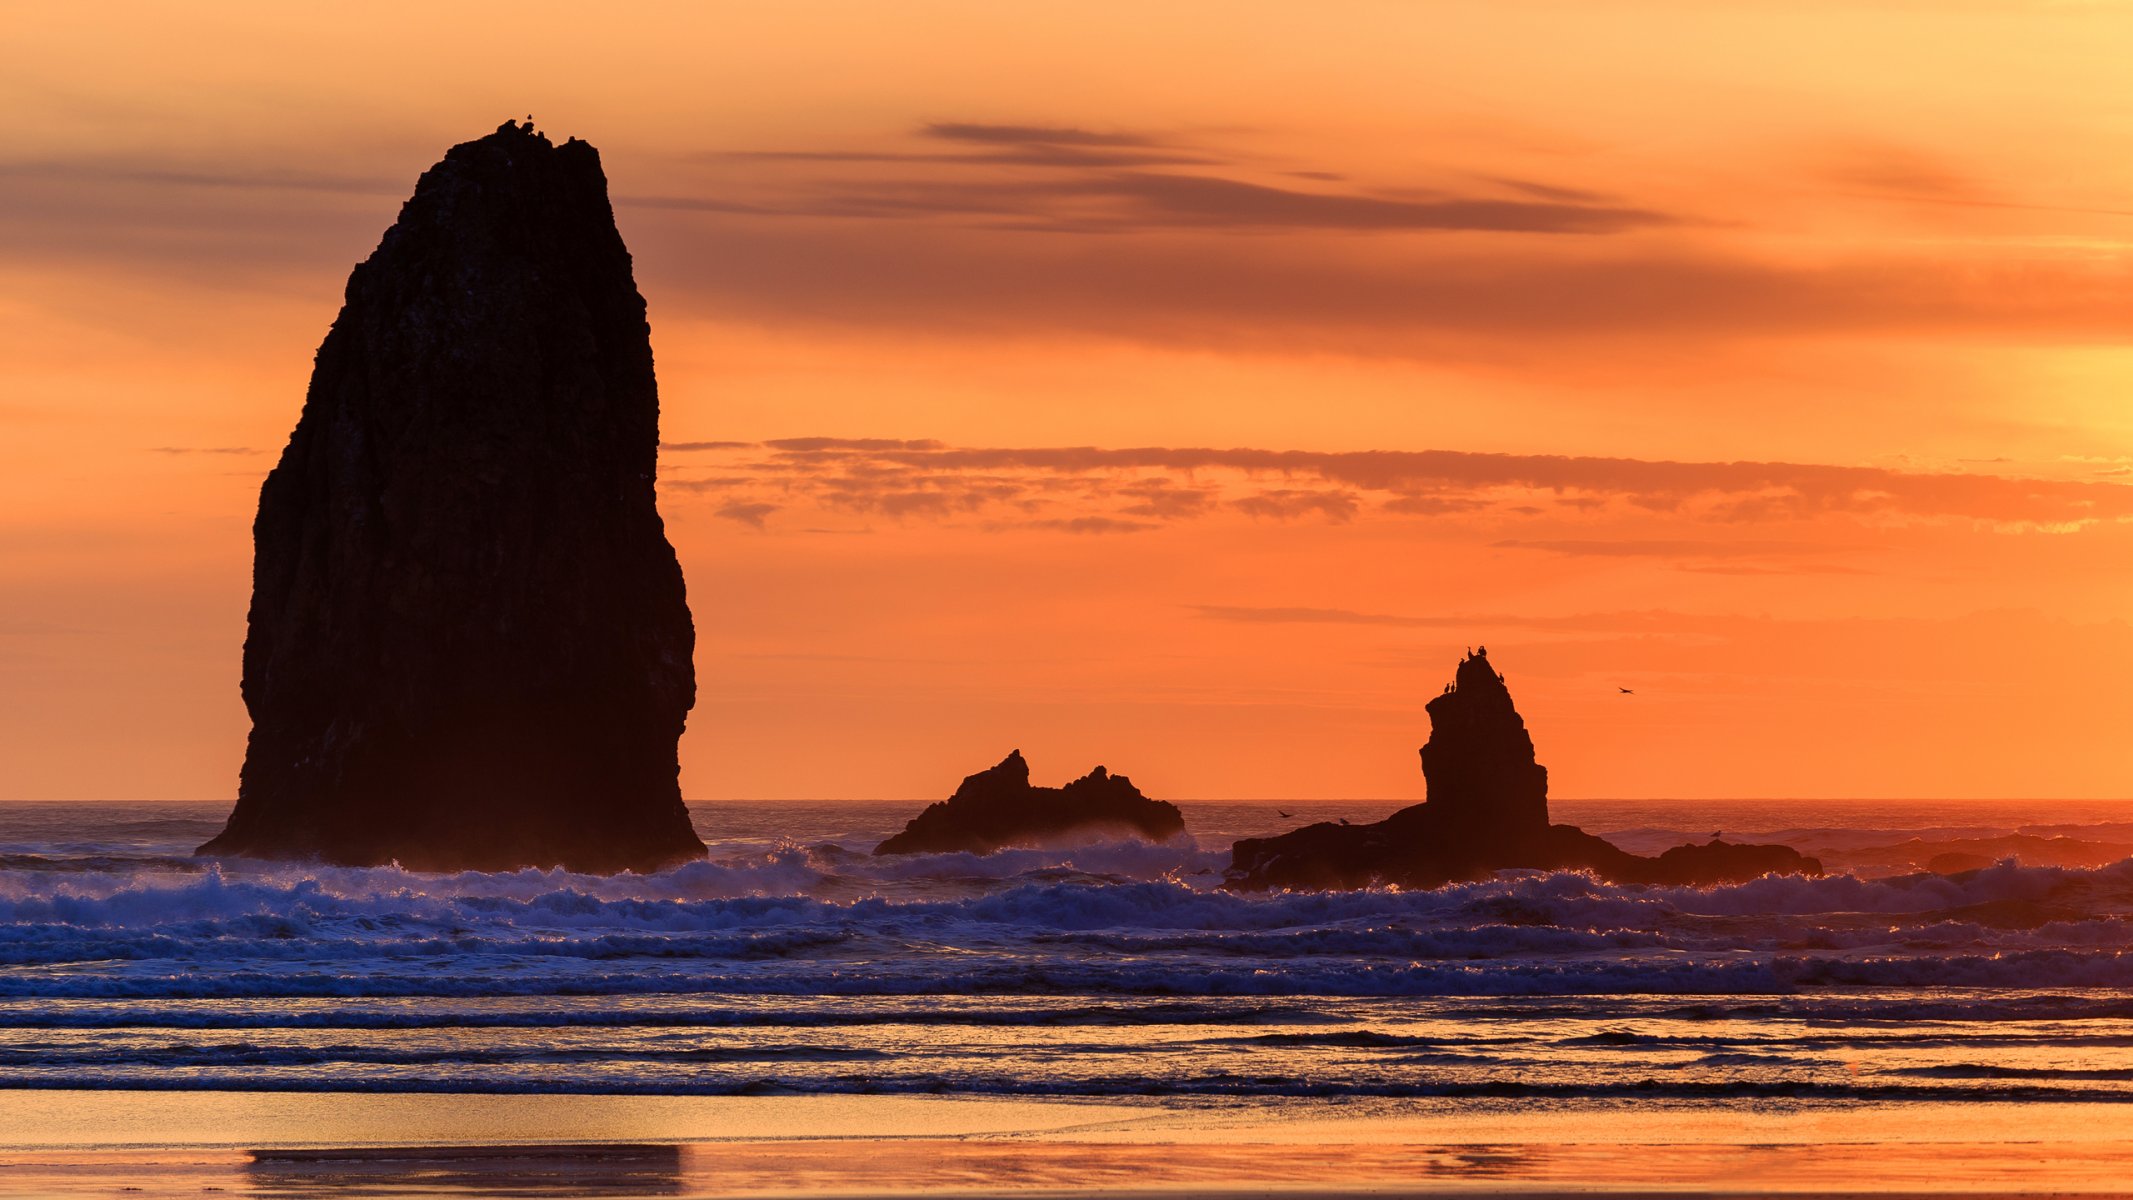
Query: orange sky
column 1180, row 387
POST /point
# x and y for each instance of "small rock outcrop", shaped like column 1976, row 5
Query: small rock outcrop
column 996, row 808
column 1486, row 811
column 469, row 645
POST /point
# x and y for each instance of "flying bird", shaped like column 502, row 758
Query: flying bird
column 1625, row 691
column 1280, row 812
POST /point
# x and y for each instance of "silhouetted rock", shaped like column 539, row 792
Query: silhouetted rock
column 998, row 807
column 469, row 645
column 1955, row 862
column 1486, row 811
column 1483, row 783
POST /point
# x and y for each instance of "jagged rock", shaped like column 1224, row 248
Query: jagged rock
column 1483, row 783
column 469, row 645
column 1486, row 811
column 997, row 807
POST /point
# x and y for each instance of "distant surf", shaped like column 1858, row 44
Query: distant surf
column 791, row 960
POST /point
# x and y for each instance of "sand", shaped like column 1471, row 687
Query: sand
column 74, row 1143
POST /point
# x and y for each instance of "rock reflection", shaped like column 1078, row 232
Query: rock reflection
column 498, row 1171
column 1484, row 1160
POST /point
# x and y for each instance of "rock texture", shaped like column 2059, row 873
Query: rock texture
column 998, row 807
column 469, row 645
column 1487, row 811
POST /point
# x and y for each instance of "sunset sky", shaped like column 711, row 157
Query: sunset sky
column 1180, row 387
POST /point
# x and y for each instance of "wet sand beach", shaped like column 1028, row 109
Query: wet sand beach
column 64, row 1143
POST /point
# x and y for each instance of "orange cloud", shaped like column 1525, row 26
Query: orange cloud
column 1098, row 183
column 924, row 477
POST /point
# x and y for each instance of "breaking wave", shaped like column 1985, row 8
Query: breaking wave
column 1109, row 969
column 1116, row 919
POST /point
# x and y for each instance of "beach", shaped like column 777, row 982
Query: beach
column 76, row 1143
column 793, row 1016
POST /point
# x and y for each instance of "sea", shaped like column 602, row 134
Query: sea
column 1955, row 950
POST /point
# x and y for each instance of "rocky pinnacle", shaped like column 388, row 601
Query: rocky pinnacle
column 469, row 644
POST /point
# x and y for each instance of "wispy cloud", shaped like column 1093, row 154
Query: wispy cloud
column 1287, row 504
column 1909, row 175
column 751, row 515
column 1162, row 498
column 1635, row 623
column 803, row 445
column 1673, row 547
column 973, row 144
column 1354, row 294
column 1089, row 181
column 1233, row 251
column 1092, row 525
column 195, row 175
column 1707, row 556
column 1031, row 135
column 1205, row 245
column 924, row 478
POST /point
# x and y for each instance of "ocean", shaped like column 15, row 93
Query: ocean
column 792, row 962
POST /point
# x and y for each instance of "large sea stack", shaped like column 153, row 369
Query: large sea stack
column 469, row 645
column 1486, row 811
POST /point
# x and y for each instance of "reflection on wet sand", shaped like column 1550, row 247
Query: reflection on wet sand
column 1040, row 1166
column 500, row 1171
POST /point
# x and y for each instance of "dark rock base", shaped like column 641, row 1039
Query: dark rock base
column 997, row 808
column 1413, row 848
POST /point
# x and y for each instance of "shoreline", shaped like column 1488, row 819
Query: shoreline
column 62, row 1143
